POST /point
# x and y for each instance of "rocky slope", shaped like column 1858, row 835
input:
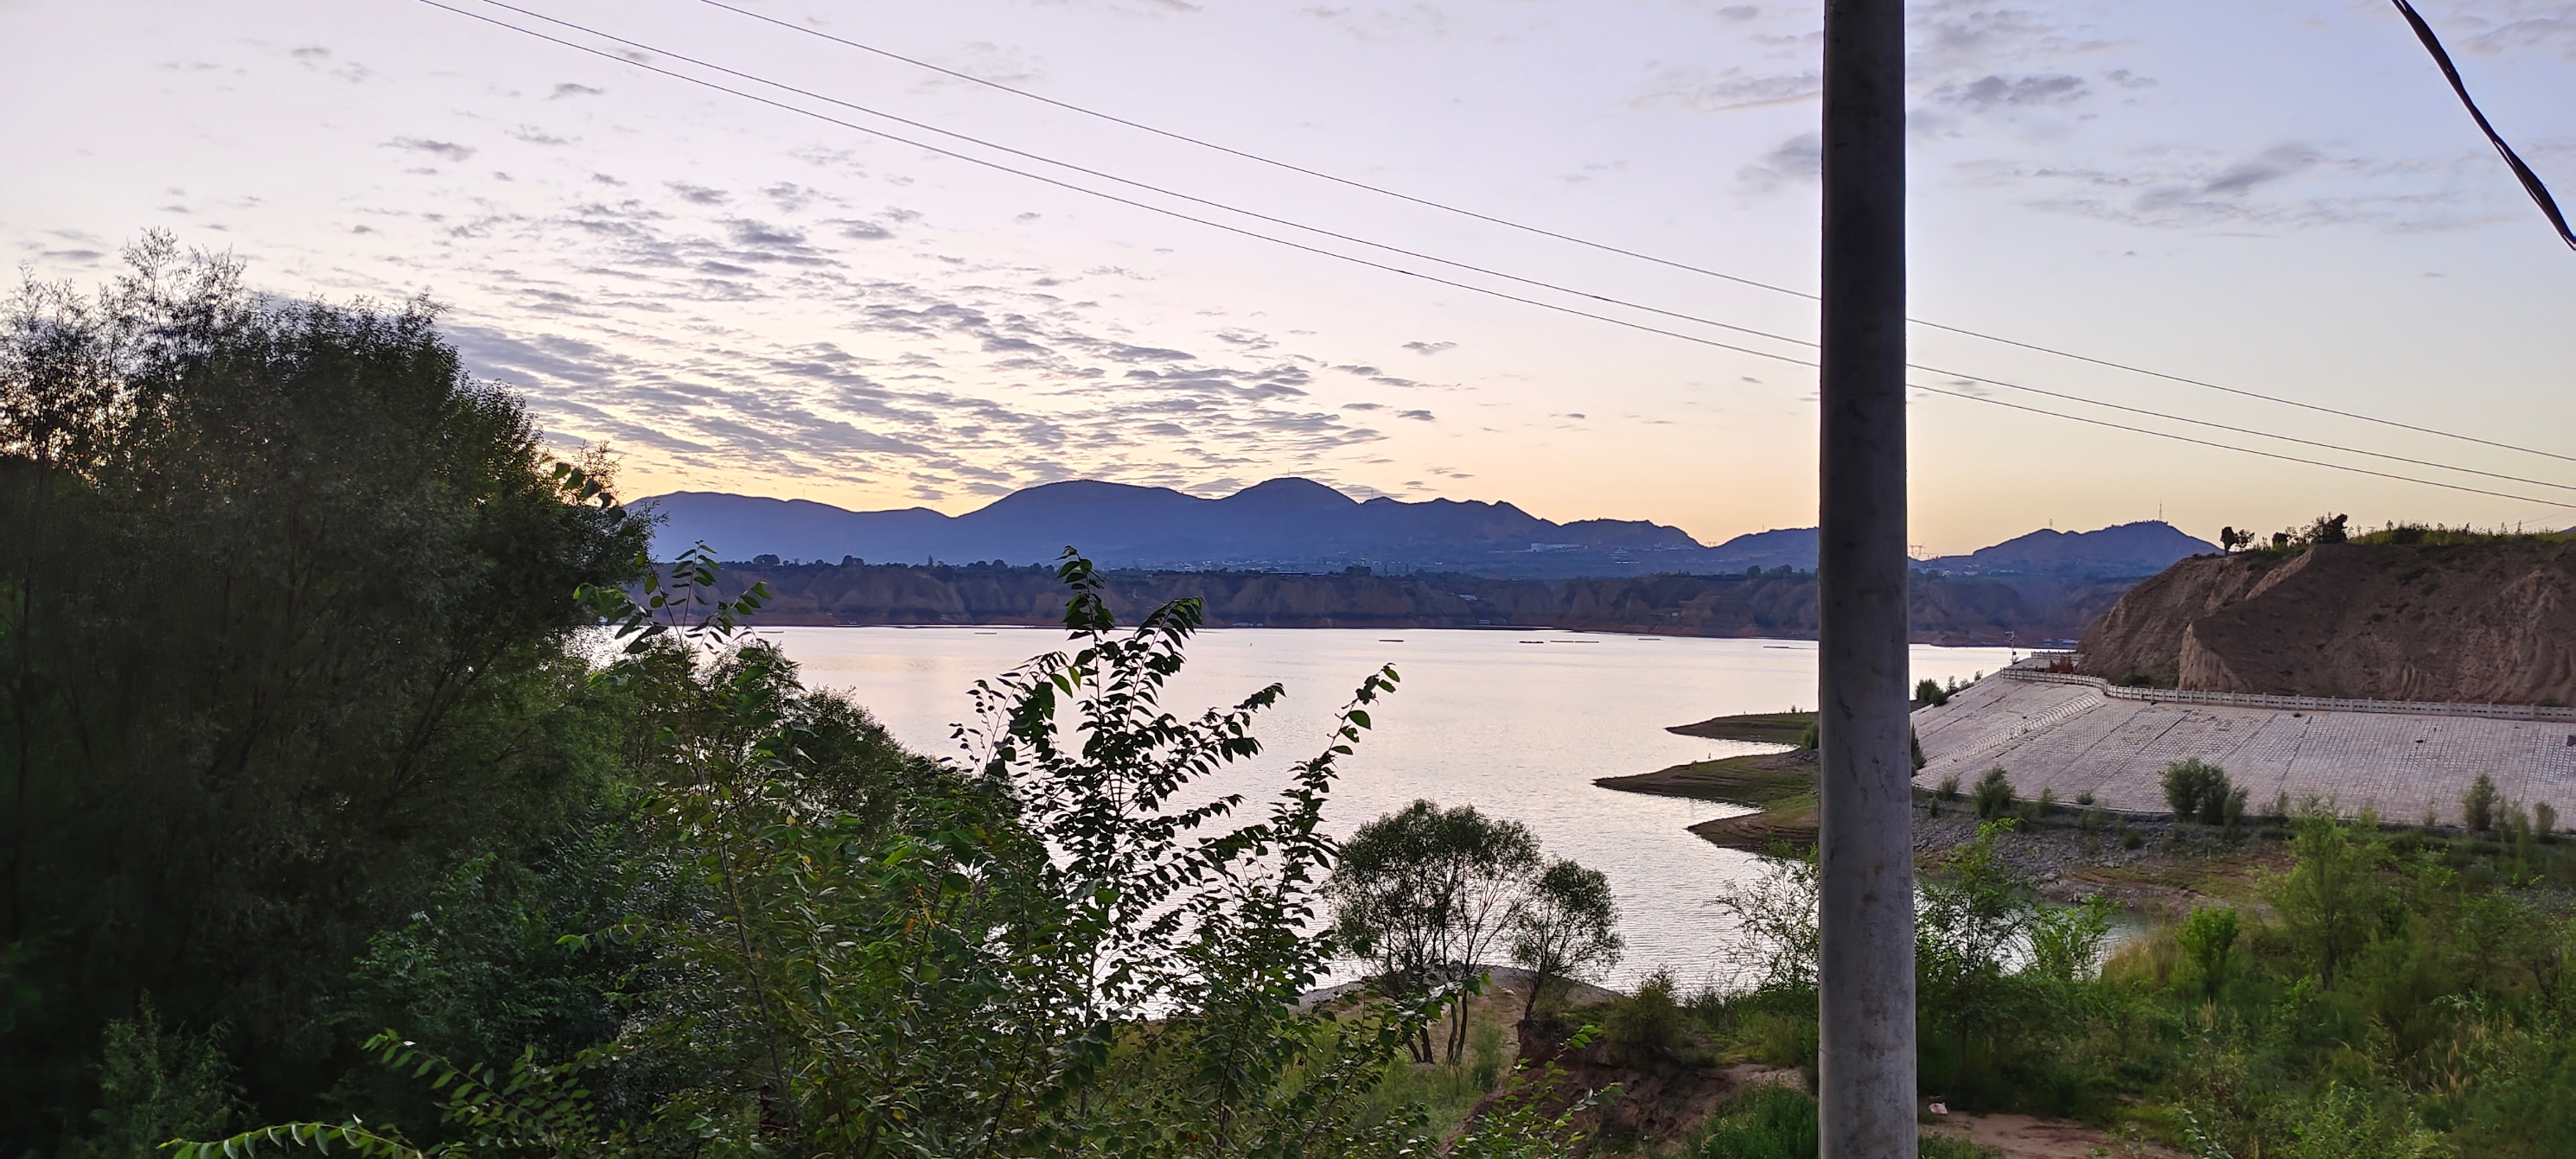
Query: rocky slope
column 2491, row 622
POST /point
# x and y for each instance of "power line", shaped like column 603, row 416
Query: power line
column 2522, row 171
column 1489, row 292
column 2238, row 430
column 1482, row 270
column 1126, row 201
column 2230, row 447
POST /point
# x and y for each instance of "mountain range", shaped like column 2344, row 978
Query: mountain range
column 1301, row 525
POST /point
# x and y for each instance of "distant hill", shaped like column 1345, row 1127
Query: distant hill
column 1301, row 525
column 1283, row 524
column 2128, row 549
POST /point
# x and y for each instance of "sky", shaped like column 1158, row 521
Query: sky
column 2281, row 198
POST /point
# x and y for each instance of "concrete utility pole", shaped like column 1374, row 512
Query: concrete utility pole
column 1865, row 850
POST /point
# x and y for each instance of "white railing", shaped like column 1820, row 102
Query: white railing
column 2031, row 670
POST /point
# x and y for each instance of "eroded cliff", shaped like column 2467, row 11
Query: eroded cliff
column 2491, row 622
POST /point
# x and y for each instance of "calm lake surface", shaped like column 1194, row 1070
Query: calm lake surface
column 1517, row 723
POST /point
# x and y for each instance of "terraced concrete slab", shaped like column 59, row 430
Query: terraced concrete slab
column 2074, row 739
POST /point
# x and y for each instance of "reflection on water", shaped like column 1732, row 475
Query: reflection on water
column 1515, row 722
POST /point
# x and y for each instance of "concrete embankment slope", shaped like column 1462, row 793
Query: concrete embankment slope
column 2491, row 622
column 2074, row 735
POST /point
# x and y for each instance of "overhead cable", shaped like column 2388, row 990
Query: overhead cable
column 1487, row 291
column 2552, row 504
column 1415, row 254
column 2530, row 183
column 2530, row 180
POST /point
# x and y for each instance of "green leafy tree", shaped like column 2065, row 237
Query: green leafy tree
column 284, row 616
column 2330, row 900
column 1058, row 949
column 1565, row 929
column 2208, row 936
column 1424, row 892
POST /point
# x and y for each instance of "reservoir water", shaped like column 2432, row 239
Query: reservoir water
column 1515, row 722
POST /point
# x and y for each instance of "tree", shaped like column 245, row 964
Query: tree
column 1053, row 950
column 1423, row 892
column 284, row 615
column 1566, row 928
column 2329, row 900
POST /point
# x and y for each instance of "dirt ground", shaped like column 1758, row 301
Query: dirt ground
column 2024, row 1137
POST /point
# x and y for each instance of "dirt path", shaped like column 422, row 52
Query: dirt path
column 2024, row 1137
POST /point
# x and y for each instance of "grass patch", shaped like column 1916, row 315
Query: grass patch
column 1763, row 780
column 1760, row 727
column 1770, row 1121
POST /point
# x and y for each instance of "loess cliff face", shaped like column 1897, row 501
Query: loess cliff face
column 2489, row 623
column 1946, row 611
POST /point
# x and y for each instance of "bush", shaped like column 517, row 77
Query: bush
column 2207, row 937
column 2200, row 791
column 1929, row 691
column 1649, row 1026
column 1994, row 795
column 2478, row 805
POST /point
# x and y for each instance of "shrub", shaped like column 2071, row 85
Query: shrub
column 1994, row 794
column 2207, row 937
column 2198, row 790
column 2544, row 821
column 1929, row 691
column 2478, row 805
column 1812, row 737
column 1647, row 1027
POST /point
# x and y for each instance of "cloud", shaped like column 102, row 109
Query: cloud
column 2177, row 188
column 1427, row 349
column 2270, row 165
column 574, row 90
column 1993, row 91
column 446, row 149
column 697, row 194
column 1417, row 415
column 1798, row 160
column 535, row 136
column 1699, row 90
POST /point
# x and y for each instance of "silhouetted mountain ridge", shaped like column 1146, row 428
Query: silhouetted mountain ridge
column 1296, row 524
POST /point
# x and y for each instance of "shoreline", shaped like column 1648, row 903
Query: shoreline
column 1997, row 639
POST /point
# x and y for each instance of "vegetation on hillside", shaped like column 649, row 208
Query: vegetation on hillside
column 2386, row 996
column 327, row 808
